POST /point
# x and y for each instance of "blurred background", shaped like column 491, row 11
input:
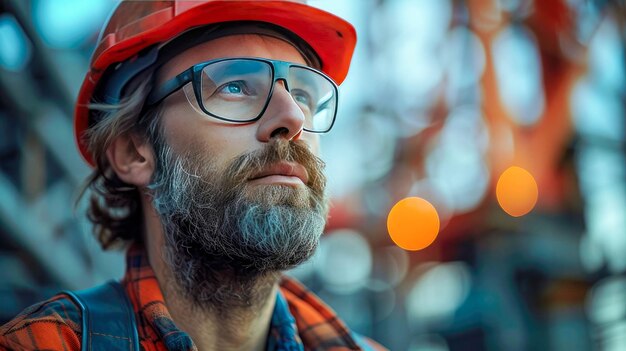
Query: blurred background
column 443, row 96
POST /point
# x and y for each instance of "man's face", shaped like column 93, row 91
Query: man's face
column 237, row 201
column 186, row 130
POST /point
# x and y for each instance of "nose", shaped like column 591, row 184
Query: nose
column 282, row 118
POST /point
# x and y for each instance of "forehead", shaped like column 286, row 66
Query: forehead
column 240, row 45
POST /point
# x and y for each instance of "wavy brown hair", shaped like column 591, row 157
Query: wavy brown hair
column 115, row 206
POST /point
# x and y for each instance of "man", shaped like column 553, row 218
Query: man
column 201, row 119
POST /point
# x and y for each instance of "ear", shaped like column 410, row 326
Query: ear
column 132, row 159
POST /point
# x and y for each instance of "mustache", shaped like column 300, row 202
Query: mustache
column 245, row 166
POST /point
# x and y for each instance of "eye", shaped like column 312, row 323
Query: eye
column 302, row 98
column 234, row 88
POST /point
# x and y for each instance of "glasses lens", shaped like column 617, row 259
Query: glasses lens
column 235, row 89
column 316, row 95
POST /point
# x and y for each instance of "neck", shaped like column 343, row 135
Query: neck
column 240, row 322
column 240, row 328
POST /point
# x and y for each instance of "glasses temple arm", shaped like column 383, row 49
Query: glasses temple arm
column 169, row 87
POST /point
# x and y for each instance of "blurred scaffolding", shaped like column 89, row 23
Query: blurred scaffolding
column 442, row 97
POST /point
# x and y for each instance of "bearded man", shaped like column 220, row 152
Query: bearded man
column 201, row 120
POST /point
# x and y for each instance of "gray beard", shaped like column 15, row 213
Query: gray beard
column 226, row 242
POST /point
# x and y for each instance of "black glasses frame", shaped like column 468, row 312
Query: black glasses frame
column 279, row 69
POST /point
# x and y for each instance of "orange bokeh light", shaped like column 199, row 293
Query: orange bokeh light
column 413, row 223
column 517, row 191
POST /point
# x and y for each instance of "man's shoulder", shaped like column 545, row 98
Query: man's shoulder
column 54, row 324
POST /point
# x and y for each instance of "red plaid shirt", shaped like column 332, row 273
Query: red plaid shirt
column 300, row 321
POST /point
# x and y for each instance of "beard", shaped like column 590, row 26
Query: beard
column 226, row 241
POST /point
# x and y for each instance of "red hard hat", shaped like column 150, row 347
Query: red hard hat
column 135, row 26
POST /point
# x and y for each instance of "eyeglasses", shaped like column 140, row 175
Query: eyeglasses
column 239, row 90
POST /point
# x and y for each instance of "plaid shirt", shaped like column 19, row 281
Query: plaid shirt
column 300, row 320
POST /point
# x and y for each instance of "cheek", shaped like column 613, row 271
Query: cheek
column 313, row 141
column 188, row 132
column 180, row 126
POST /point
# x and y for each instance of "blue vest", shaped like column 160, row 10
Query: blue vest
column 108, row 319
